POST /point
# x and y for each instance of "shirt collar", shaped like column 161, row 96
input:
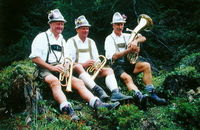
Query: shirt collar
column 79, row 40
column 52, row 35
column 115, row 36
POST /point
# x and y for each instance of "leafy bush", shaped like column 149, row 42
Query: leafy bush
column 186, row 113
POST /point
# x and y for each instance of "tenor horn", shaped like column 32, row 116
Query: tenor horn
column 94, row 69
column 144, row 22
column 65, row 76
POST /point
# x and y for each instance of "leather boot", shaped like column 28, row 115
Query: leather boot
column 70, row 111
column 110, row 106
column 118, row 96
column 141, row 100
column 99, row 92
column 154, row 97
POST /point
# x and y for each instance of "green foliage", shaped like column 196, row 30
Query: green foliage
column 181, row 113
column 190, row 60
column 186, row 113
column 13, row 78
column 187, row 67
column 159, row 118
column 16, row 70
column 127, row 116
column 172, row 47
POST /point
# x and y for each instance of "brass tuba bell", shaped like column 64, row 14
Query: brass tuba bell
column 144, row 22
column 96, row 67
column 65, row 77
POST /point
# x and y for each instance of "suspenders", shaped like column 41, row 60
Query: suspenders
column 51, row 50
column 78, row 51
column 117, row 46
column 120, row 45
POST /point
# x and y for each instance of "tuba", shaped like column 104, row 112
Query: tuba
column 144, row 21
column 65, row 77
column 96, row 67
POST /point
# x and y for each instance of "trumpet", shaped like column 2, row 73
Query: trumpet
column 66, row 74
column 144, row 21
column 96, row 67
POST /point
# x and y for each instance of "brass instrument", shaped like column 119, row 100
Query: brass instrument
column 96, row 67
column 66, row 75
column 144, row 21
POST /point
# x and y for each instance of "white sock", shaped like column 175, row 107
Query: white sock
column 63, row 104
column 111, row 82
column 92, row 101
column 87, row 80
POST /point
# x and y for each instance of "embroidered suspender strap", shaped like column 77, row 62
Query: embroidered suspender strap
column 90, row 48
column 49, row 48
column 125, row 42
column 120, row 45
column 116, row 47
column 62, row 51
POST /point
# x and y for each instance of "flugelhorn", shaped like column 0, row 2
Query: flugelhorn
column 66, row 75
column 97, row 66
column 144, row 21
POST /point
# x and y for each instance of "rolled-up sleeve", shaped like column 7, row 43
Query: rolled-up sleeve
column 39, row 47
column 109, row 47
column 70, row 50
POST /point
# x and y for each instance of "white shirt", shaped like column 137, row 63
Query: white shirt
column 83, row 56
column 110, row 48
column 40, row 46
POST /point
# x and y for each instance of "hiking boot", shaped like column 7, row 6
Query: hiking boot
column 141, row 100
column 118, row 96
column 156, row 99
column 99, row 92
column 70, row 111
column 153, row 96
column 109, row 106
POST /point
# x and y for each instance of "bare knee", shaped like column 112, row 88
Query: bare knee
column 141, row 67
column 106, row 72
column 77, row 84
column 109, row 71
column 146, row 66
column 52, row 81
column 126, row 78
column 78, row 68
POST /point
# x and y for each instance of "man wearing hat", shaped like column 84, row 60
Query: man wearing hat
column 116, row 50
column 48, row 52
column 83, row 50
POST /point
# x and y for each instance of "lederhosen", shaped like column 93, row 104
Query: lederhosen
column 51, row 49
column 122, row 64
column 78, row 51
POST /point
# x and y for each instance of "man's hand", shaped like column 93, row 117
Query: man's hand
column 133, row 48
column 88, row 63
column 57, row 68
column 140, row 38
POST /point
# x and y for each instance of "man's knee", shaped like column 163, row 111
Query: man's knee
column 147, row 65
column 52, row 80
column 109, row 71
column 126, row 78
column 77, row 83
column 79, row 68
column 142, row 66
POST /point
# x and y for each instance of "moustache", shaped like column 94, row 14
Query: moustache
column 119, row 29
